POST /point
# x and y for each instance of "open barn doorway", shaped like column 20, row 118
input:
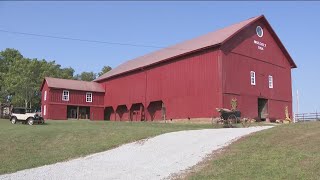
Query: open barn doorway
column 108, row 113
column 157, row 110
column 137, row 112
column 122, row 113
column 262, row 109
column 78, row 112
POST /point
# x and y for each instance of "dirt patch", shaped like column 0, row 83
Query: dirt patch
column 142, row 141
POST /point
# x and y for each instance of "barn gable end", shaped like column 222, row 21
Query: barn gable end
column 265, row 56
column 267, row 48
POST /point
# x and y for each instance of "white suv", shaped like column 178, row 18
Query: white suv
column 25, row 116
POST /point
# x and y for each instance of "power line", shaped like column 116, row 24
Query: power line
column 86, row 40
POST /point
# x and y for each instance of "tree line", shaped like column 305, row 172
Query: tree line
column 21, row 78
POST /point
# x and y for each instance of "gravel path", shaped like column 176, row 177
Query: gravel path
column 154, row 158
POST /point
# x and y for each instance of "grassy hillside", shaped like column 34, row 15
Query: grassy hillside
column 283, row 152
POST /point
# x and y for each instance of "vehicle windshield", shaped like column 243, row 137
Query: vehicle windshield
column 21, row 110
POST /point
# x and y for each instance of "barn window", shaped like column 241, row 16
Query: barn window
column 270, row 81
column 45, row 95
column 44, row 110
column 65, row 95
column 253, row 78
column 259, row 31
column 88, row 97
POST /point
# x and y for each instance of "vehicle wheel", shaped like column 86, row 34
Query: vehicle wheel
column 232, row 121
column 30, row 121
column 13, row 120
column 216, row 122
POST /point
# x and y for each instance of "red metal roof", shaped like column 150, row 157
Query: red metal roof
column 73, row 85
column 208, row 40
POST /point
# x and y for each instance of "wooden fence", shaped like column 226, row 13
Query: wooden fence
column 307, row 117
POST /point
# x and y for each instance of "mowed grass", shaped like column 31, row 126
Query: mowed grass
column 24, row 146
column 283, row 152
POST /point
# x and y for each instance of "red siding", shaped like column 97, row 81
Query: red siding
column 57, row 111
column 96, row 113
column 241, row 56
column 76, row 97
column 189, row 87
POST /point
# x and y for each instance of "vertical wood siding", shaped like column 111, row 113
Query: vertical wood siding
column 240, row 56
column 96, row 113
column 188, row 86
column 76, row 97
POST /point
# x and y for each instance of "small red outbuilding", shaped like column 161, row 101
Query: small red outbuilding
column 72, row 99
column 245, row 62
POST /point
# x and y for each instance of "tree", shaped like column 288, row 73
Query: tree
column 104, row 70
column 7, row 57
column 19, row 82
column 86, row 76
column 21, row 78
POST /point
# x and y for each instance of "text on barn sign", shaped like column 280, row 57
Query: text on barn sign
column 261, row 45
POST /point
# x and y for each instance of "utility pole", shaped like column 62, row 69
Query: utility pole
column 297, row 102
column 297, row 112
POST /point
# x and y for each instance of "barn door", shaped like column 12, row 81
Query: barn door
column 262, row 108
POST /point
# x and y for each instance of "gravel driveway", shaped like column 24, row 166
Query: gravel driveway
column 154, row 158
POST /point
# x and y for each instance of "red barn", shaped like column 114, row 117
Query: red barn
column 72, row 99
column 245, row 62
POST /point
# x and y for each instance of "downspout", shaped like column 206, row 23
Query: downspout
column 145, row 94
column 220, row 70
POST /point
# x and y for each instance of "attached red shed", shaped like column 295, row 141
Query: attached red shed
column 72, row 99
column 245, row 62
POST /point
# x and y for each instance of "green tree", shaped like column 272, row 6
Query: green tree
column 18, row 82
column 86, row 76
column 21, row 78
column 7, row 57
column 104, row 70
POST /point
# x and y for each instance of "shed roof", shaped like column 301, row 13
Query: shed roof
column 211, row 39
column 73, row 85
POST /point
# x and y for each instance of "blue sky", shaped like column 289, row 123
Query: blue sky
column 158, row 24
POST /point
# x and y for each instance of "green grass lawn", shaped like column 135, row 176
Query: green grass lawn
column 24, row 146
column 283, row 152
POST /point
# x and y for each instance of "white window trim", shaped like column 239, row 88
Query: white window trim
column 44, row 110
column 65, row 97
column 259, row 27
column 45, row 95
column 252, row 78
column 88, row 97
column 270, row 79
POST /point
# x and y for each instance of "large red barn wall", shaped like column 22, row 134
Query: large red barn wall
column 188, row 87
column 240, row 57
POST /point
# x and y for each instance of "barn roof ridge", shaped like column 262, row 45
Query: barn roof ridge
column 211, row 39
column 71, row 84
